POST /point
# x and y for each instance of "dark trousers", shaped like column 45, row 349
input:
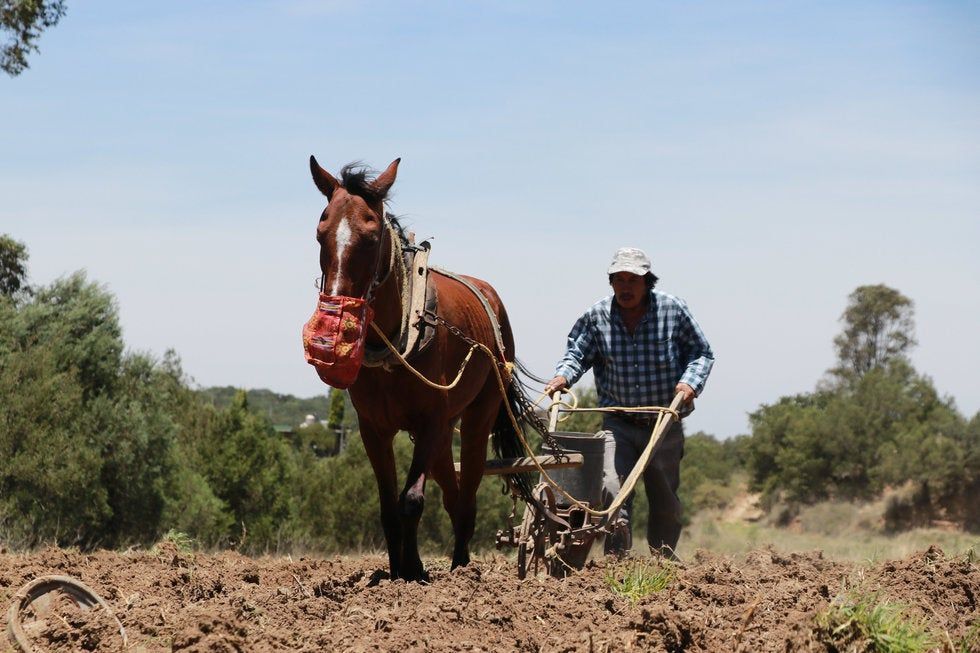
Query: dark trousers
column 625, row 442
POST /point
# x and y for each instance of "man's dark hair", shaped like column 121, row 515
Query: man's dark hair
column 650, row 278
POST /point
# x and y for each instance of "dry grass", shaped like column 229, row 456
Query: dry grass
column 842, row 534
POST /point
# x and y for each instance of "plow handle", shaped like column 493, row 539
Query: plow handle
column 663, row 423
column 553, row 411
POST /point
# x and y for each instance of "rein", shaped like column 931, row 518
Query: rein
column 378, row 356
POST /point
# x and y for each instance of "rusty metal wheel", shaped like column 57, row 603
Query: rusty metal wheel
column 537, row 534
column 35, row 592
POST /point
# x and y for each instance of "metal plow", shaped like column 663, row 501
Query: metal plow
column 569, row 518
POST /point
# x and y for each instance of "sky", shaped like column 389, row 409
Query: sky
column 769, row 156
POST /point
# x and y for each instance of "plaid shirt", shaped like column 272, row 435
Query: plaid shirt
column 666, row 348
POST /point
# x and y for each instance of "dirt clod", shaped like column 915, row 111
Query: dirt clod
column 169, row 600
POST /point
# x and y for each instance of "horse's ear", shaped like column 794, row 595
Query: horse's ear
column 323, row 179
column 384, row 181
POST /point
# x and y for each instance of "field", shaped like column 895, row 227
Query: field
column 170, row 598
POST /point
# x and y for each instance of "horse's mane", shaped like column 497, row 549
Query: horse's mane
column 399, row 228
column 358, row 179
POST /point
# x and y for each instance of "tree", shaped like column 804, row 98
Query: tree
column 13, row 266
column 878, row 328
column 192, row 505
column 86, row 437
column 80, row 320
column 887, row 428
column 251, row 471
column 335, row 419
column 50, row 462
column 706, row 479
column 137, row 444
column 25, row 20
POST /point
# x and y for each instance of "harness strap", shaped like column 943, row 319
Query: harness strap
column 486, row 307
column 413, row 294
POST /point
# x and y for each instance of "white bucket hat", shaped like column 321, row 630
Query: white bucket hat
column 630, row 259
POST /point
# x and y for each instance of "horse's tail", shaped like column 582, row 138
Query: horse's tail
column 506, row 439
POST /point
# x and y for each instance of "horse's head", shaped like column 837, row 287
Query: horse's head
column 351, row 236
column 351, row 229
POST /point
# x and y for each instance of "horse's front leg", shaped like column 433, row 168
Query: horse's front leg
column 429, row 441
column 377, row 444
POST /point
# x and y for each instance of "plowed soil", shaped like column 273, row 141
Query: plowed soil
column 168, row 600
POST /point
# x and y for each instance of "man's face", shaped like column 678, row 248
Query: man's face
column 630, row 289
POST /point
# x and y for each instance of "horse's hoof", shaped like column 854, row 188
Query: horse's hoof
column 421, row 576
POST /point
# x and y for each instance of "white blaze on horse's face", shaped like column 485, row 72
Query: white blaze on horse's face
column 341, row 245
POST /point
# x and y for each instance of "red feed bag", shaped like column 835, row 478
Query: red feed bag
column 333, row 339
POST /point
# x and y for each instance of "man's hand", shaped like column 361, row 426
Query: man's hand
column 687, row 390
column 556, row 384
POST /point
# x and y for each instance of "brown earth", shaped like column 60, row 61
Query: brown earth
column 173, row 600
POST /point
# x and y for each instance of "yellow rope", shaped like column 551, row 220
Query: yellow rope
column 419, row 375
column 631, row 480
column 622, row 409
column 565, row 407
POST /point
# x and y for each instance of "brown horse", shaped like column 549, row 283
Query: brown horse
column 356, row 238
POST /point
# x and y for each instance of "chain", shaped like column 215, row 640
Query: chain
column 527, row 407
column 431, row 315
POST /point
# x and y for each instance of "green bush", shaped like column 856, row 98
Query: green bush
column 193, row 508
column 706, row 473
column 50, row 455
column 251, row 470
column 885, row 428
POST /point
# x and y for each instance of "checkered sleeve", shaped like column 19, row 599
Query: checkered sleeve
column 580, row 351
column 696, row 353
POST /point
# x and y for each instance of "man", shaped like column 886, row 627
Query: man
column 644, row 347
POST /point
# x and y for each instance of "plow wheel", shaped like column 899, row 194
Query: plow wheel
column 538, row 534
